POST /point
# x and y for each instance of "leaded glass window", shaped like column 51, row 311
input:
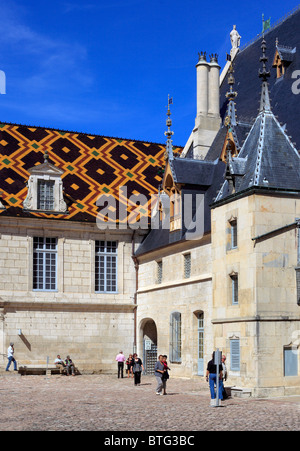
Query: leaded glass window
column 45, row 264
column 106, row 258
column 46, row 195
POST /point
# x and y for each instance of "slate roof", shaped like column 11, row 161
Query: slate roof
column 193, row 172
column 285, row 105
column 268, row 158
column 197, row 177
column 92, row 165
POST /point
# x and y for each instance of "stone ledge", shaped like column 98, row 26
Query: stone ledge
column 240, row 392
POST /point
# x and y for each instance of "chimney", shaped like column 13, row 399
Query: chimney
column 202, row 85
column 208, row 120
column 214, row 87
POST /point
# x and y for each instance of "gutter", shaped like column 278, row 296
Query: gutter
column 277, row 231
column 255, row 190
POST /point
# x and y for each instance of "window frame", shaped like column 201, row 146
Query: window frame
column 288, row 364
column 187, row 265
column 175, row 337
column 48, row 197
column 234, row 279
column 159, row 272
column 110, row 261
column 41, row 262
column 233, row 233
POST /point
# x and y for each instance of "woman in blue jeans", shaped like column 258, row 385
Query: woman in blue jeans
column 211, row 377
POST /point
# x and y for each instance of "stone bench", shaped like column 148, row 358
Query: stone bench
column 31, row 370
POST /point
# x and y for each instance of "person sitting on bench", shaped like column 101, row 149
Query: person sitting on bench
column 59, row 363
column 69, row 366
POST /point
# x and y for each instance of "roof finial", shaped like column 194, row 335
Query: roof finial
column 46, row 156
column 169, row 133
column 264, row 74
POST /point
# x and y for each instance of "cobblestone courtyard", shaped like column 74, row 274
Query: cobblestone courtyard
column 104, row 403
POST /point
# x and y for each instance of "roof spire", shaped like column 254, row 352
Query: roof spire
column 169, row 133
column 264, row 74
column 231, row 95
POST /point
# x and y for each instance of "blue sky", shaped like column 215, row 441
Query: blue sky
column 107, row 67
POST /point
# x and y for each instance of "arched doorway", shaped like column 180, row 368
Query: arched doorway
column 149, row 344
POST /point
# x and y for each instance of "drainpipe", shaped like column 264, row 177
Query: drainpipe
column 136, row 266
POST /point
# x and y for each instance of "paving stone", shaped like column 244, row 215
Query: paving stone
column 106, row 403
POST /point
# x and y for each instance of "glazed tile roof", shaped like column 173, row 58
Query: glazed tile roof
column 93, row 165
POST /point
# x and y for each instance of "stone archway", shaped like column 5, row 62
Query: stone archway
column 148, row 341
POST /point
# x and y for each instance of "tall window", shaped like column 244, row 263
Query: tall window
column 201, row 344
column 233, row 232
column 187, row 266
column 175, row 337
column 290, row 361
column 106, row 257
column 45, row 195
column 159, row 272
column 45, row 264
column 234, row 289
column 235, row 355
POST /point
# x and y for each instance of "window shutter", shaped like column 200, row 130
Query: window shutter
column 235, row 355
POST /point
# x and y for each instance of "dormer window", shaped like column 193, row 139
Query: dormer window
column 45, row 195
column 2, row 207
column 175, row 210
column 284, row 56
column 45, row 189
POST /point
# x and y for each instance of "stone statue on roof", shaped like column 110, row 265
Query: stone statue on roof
column 235, row 38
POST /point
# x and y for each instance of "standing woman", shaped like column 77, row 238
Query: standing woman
column 137, row 369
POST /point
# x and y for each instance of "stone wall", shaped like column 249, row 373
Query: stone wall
column 267, row 317
column 91, row 327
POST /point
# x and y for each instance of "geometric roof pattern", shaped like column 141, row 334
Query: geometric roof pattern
column 92, row 165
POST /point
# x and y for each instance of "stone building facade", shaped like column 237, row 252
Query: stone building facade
column 219, row 267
